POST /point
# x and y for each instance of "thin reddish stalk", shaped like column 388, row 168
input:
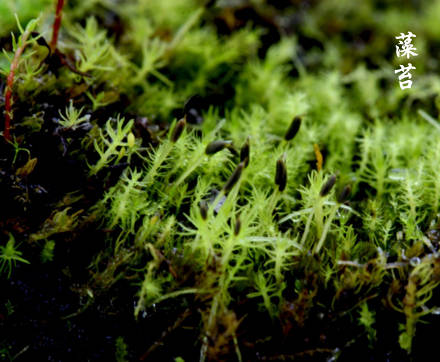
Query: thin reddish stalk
column 57, row 24
column 10, row 84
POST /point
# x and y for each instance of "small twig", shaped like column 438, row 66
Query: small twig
column 166, row 333
column 394, row 265
column 57, row 25
column 429, row 119
column 350, row 263
column 295, row 356
column 363, row 300
column 23, row 350
column 80, row 310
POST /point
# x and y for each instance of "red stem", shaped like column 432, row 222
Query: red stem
column 57, row 24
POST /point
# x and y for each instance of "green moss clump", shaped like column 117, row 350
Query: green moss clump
column 252, row 173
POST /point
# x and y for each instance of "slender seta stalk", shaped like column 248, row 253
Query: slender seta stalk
column 57, row 24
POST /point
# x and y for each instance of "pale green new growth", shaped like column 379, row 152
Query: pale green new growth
column 9, row 255
column 112, row 145
column 72, row 117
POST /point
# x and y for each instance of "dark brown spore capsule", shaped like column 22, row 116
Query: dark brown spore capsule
column 345, row 193
column 203, row 205
column 192, row 109
column 216, row 146
column 245, row 153
column 178, row 129
column 293, row 128
column 233, row 178
column 281, row 175
column 327, row 187
column 237, row 225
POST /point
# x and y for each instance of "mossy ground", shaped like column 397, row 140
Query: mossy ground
column 125, row 236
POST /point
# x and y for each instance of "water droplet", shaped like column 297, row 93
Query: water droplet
column 436, row 311
column 414, row 261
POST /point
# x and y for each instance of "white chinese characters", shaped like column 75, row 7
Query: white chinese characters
column 406, row 74
column 406, row 49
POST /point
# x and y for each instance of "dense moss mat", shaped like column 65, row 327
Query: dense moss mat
column 231, row 180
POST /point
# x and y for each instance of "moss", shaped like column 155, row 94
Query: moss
column 251, row 173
